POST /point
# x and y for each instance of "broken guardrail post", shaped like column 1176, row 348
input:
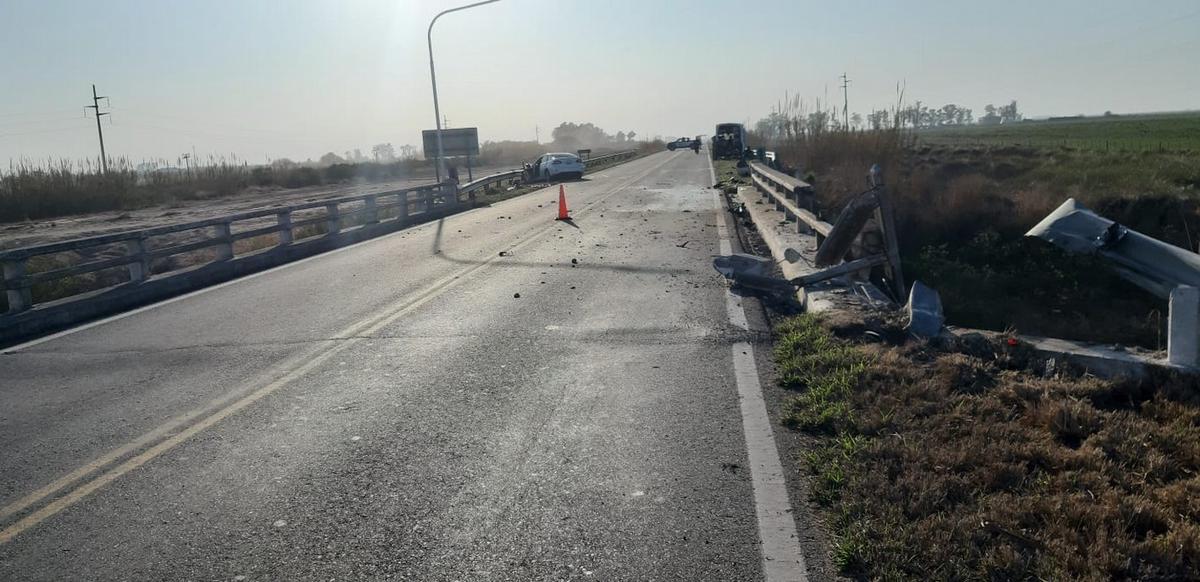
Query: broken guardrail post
column 17, row 291
column 887, row 223
column 1183, row 327
column 925, row 316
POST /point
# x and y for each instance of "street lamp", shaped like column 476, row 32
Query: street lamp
column 437, row 113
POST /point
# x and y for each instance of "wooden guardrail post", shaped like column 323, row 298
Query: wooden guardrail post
column 333, row 219
column 17, row 292
column 284, row 220
column 224, row 241
column 372, row 210
column 139, row 269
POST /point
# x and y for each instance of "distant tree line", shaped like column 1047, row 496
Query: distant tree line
column 795, row 119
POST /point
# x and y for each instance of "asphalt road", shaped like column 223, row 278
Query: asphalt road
column 394, row 410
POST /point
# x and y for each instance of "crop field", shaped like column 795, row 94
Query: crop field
column 1163, row 132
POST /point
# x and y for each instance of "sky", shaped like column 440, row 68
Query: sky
column 265, row 79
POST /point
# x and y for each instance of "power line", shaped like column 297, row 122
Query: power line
column 96, row 106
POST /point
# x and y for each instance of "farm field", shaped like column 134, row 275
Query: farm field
column 1136, row 133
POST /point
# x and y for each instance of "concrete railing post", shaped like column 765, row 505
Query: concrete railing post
column 285, row 228
column 372, row 210
column 402, row 200
column 139, row 269
column 224, row 242
column 1183, row 327
column 18, row 294
column 333, row 219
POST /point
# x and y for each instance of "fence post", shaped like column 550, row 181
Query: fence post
column 372, row 210
column 19, row 296
column 224, row 242
column 284, row 220
column 402, row 200
column 140, row 268
column 333, row 219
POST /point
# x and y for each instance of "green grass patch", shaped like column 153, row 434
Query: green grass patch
column 1128, row 133
column 937, row 465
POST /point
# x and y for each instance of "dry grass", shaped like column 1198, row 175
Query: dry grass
column 962, row 213
column 937, row 465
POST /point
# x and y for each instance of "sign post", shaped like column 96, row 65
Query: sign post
column 457, row 142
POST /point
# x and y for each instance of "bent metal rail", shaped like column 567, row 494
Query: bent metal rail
column 134, row 251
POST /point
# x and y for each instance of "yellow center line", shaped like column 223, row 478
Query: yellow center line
column 305, row 363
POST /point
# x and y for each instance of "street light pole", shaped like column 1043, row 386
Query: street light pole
column 437, row 113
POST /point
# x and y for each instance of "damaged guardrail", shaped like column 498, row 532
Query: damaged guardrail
column 1160, row 268
column 845, row 237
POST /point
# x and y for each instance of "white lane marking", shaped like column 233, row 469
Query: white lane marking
column 112, row 318
column 782, row 557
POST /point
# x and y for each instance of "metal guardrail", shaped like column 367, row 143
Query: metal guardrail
column 834, row 241
column 790, row 196
column 516, row 175
column 134, row 251
column 609, row 158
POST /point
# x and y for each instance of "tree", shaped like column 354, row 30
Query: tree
column 384, row 152
column 330, row 159
column 629, row 136
column 856, row 120
column 621, row 137
column 1008, row 113
column 408, row 152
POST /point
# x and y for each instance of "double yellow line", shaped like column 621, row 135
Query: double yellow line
column 183, row 427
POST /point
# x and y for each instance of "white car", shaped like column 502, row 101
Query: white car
column 555, row 167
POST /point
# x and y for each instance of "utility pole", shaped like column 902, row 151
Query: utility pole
column 445, row 122
column 537, row 134
column 845, row 102
column 96, row 105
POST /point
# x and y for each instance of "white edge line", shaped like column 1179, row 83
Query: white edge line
column 782, row 556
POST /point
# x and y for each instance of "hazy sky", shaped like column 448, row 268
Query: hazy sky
column 297, row 78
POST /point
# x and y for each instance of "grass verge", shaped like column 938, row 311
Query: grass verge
column 936, row 464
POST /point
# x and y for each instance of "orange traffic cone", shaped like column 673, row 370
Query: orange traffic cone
column 562, row 204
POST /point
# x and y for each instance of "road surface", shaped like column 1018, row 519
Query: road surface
column 415, row 407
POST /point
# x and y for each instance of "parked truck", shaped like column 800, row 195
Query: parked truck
column 729, row 141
